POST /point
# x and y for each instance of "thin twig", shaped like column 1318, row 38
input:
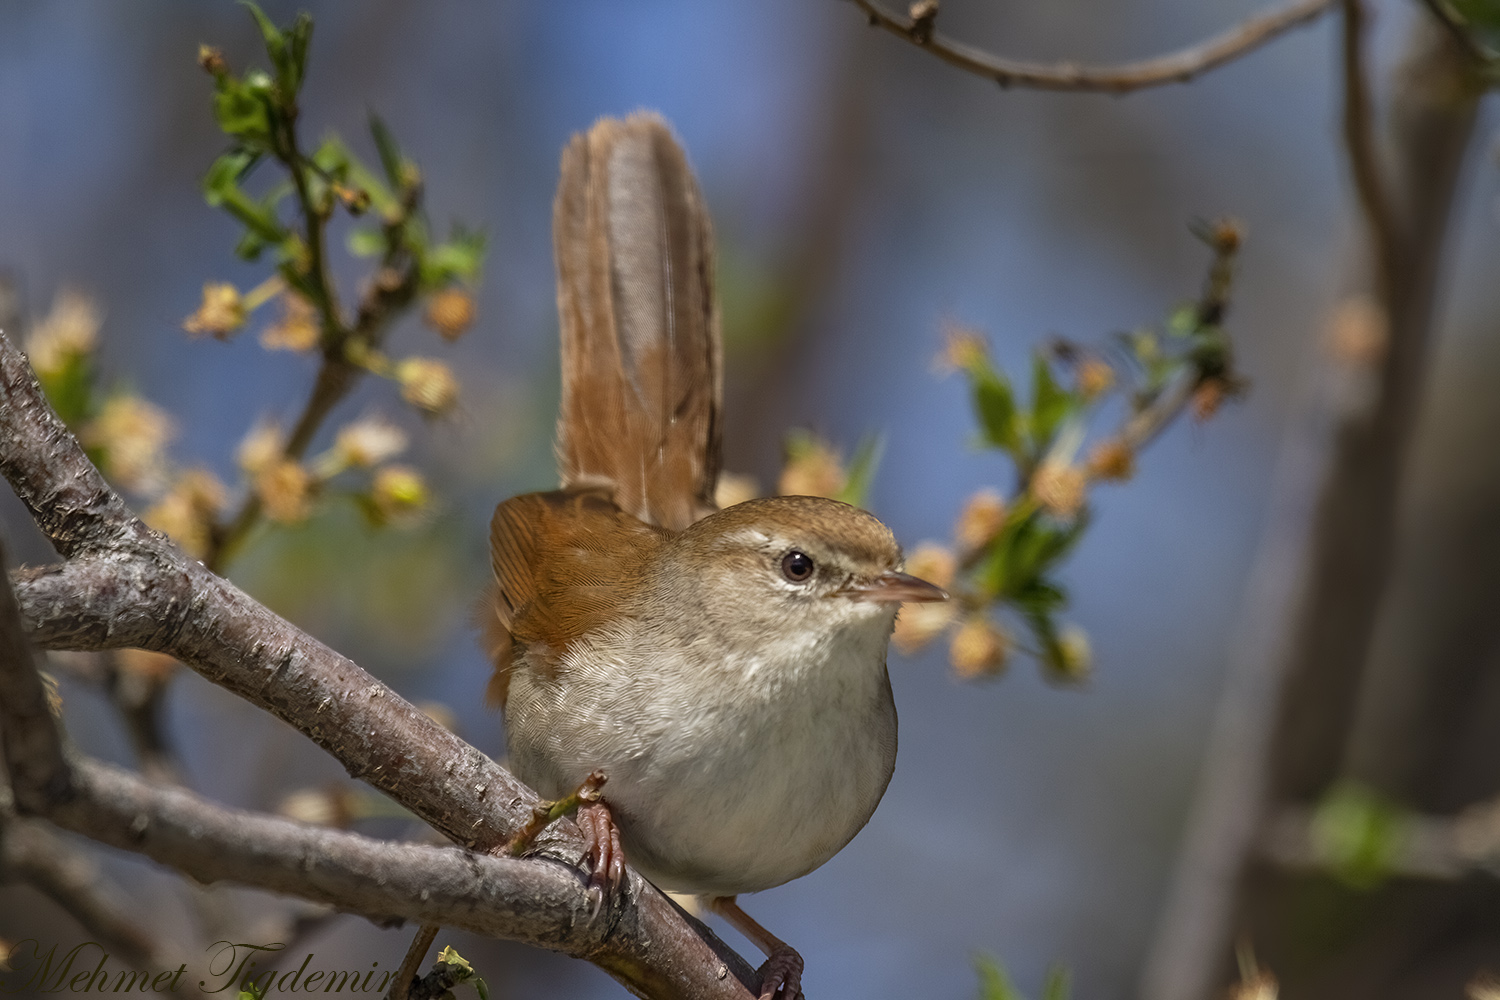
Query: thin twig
column 1175, row 67
column 1365, row 168
column 545, row 813
column 420, row 944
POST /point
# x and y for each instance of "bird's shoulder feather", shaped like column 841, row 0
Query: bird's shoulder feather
column 564, row 563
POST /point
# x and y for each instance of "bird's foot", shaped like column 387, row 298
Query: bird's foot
column 605, row 855
column 781, row 975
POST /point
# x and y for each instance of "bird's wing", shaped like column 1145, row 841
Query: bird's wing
column 640, row 331
column 564, row 564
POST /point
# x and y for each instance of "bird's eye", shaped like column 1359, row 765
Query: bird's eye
column 797, row 566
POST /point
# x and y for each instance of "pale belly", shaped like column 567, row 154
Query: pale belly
column 745, row 789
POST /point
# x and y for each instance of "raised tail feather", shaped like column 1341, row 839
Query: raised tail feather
column 641, row 353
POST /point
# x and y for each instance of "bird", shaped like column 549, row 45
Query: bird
column 725, row 670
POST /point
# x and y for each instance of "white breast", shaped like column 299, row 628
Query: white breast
column 725, row 777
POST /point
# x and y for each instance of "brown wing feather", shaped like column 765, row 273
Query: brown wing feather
column 640, row 332
column 563, row 562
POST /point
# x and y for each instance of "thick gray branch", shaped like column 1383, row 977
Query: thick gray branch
column 126, row 585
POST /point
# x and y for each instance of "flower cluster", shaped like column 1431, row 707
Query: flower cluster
column 1006, row 549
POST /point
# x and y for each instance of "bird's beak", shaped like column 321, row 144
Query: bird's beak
column 895, row 588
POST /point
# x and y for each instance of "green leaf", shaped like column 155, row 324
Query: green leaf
column 298, row 37
column 257, row 218
column 862, row 469
column 250, row 246
column 458, row 259
column 995, row 407
column 1184, row 320
column 332, row 157
column 336, row 157
column 1041, row 597
column 390, row 153
column 70, row 389
column 1359, row 833
column 994, row 984
column 366, row 242
column 1050, row 403
column 243, row 110
column 1056, row 985
column 269, row 33
column 225, row 173
column 1483, row 17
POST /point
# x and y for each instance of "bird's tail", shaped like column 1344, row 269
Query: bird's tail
column 641, row 356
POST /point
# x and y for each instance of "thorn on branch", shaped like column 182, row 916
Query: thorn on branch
column 545, row 813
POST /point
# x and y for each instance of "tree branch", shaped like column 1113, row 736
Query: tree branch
column 1365, row 168
column 129, row 586
column 31, row 852
column 1297, row 658
column 1175, row 67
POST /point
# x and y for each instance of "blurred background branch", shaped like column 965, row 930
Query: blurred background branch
column 1288, row 713
column 1176, row 67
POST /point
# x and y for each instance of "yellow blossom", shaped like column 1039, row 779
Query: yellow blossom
column 221, row 312
column 1074, row 657
column 919, row 624
column 132, row 434
column 451, row 312
column 980, row 521
column 1095, row 377
column 1059, row 488
column 1258, row 986
column 934, row 563
column 70, row 330
column 734, row 488
column 439, row 713
column 187, row 511
column 367, row 442
column 1112, row 459
column 332, row 806
column 1207, row 398
column 212, row 60
column 1483, row 987
column 813, row 470
column 427, row 384
column 963, row 349
column 285, row 491
column 398, row 494
column 296, row 330
column 146, row 665
column 1359, row 332
column 261, row 446
column 979, row 648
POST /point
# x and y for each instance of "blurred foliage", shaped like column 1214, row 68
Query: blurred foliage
column 258, row 111
column 403, row 593
column 994, row 984
column 1007, row 549
column 1481, row 20
column 1359, row 833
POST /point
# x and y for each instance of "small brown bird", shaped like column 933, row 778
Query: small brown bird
column 724, row 669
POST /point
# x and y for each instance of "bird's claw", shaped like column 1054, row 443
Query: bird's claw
column 605, row 855
column 781, row 975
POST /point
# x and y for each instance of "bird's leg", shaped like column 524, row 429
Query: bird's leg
column 782, row 970
column 606, row 856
